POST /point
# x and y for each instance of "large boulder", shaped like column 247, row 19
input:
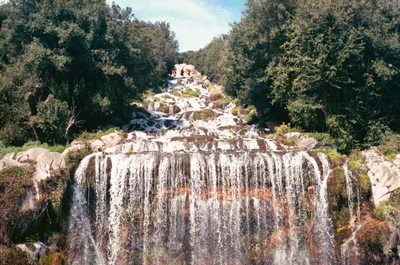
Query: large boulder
column 302, row 141
column 7, row 162
column 35, row 250
column 30, row 155
column 111, row 139
column 48, row 163
column 384, row 175
column 185, row 70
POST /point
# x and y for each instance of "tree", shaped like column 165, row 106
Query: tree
column 93, row 57
column 333, row 73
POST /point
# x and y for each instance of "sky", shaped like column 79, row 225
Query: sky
column 195, row 22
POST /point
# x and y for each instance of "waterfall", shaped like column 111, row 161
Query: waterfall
column 349, row 249
column 83, row 247
column 182, row 190
column 199, row 208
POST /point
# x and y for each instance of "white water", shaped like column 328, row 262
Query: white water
column 201, row 192
column 349, row 249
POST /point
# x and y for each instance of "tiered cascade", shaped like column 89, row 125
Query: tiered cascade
column 183, row 190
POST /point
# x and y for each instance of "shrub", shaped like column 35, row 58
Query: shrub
column 390, row 145
column 323, row 138
column 51, row 121
column 205, row 115
column 283, row 129
column 383, row 211
column 87, row 136
column 53, row 258
column 190, row 93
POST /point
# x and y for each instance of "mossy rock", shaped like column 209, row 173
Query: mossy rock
column 338, row 199
column 190, row 93
column 14, row 184
column 11, row 255
column 53, row 258
column 205, row 115
column 373, row 240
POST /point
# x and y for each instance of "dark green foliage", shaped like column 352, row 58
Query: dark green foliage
column 324, row 66
column 51, row 120
column 92, row 59
column 335, row 70
column 252, row 44
column 390, row 145
column 210, row 60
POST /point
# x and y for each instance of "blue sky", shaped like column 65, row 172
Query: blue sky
column 195, row 22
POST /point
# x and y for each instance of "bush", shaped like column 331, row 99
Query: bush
column 283, row 129
column 51, row 121
column 53, row 258
column 383, row 211
column 205, row 115
column 87, row 136
column 390, row 145
column 324, row 138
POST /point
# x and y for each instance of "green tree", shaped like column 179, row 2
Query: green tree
column 94, row 57
column 333, row 73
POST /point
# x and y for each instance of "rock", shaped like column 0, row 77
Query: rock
column 307, row 143
column 48, row 163
column 185, row 70
column 96, row 145
column 111, row 139
column 10, row 155
column 302, row 141
column 72, row 149
column 31, row 154
column 384, row 175
column 6, row 162
column 35, row 250
column 293, row 135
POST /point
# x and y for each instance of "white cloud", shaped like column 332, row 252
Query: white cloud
column 195, row 22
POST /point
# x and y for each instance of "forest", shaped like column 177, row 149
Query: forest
column 68, row 66
column 328, row 67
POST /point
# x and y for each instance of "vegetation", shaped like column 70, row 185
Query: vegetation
column 205, row 115
column 73, row 65
column 328, row 67
column 15, row 256
column 210, row 60
column 14, row 182
column 15, row 149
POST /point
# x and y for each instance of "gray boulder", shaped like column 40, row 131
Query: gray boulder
column 31, row 154
column 384, row 175
column 6, row 162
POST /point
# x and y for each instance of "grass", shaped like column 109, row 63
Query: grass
column 190, row 93
column 205, row 115
column 87, row 136
column 390, row 146
column 29, row 145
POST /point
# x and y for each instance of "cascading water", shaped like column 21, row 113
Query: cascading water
column 204, row 192
column 349, row 249
column 224, row 208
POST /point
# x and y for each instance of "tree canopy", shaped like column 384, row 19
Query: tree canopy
column 67, row 61
column 324, row 66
